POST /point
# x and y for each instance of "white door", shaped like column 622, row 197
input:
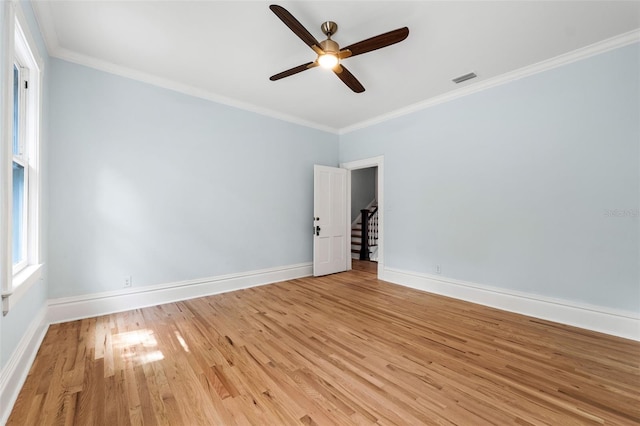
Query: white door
column 329, row 220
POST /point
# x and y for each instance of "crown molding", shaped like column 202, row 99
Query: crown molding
column 555, row 62
column 44, row 17
column 175, row 86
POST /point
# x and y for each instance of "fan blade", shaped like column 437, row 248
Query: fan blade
column 344, row 53
column 348, row 79
column 297, row 28
column 294, row 70
column 377, row 42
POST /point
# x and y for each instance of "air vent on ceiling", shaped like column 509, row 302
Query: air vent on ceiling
column 465, row 77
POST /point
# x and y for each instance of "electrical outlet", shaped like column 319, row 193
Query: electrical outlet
column 438, row 269
column 127, row 281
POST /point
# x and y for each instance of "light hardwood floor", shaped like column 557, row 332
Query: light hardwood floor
column 342, row 349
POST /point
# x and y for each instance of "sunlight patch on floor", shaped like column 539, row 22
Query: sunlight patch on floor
column 137, row 346
column 182, row 342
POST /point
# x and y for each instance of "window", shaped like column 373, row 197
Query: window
column 20, row 165
column 20, row 144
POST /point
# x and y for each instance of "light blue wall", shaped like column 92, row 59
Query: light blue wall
column 363, row 189
column 510, row 187
column 166, row 187
column 15, row 324
column 20, row 318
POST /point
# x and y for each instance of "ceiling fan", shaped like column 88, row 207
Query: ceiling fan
column 329, row 52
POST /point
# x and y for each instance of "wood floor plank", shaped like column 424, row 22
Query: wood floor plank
column 341, row 349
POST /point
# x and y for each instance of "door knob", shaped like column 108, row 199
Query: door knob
column 317, row 231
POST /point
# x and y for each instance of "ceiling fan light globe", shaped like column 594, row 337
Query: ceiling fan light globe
column 328, row 60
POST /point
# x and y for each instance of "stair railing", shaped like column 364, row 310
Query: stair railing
column 369, row 231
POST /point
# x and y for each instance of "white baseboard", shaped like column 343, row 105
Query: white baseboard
column 597, row 318
column 12, row 377
column 91, row 305
column 15, row 371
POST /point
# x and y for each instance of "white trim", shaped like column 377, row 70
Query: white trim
column 44, row 17
column 23, row 49
column 22, row 282
column 31, row 46
column 15, row 371
column 197, row 92
column 596, row 318
column 12, row 376
column 363, row 164
column 30, row 53
column 558, row 61
column 7, row 29
column 91, row 305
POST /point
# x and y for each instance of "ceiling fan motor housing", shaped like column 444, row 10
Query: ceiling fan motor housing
column 330, row 46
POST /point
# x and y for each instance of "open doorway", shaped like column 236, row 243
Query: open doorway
column 365, row 214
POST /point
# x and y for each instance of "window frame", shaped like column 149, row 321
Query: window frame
column 20, row 49
column 22, row 159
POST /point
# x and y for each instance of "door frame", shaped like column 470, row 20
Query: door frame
column 364, row 164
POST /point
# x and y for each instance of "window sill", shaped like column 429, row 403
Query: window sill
column 21, row 284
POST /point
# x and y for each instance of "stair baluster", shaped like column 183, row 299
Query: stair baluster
column 364, row 247
column 369, row 237
column 373, row 227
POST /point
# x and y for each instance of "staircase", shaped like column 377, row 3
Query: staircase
column 371, row 213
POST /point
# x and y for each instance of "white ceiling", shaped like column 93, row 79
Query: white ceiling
column 226, row 50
